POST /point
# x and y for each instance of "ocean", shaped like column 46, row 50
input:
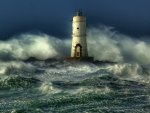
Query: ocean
column 74, row 87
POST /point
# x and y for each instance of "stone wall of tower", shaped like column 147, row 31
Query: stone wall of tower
column 79, row 35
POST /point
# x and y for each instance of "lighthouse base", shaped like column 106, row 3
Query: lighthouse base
column 84, row 59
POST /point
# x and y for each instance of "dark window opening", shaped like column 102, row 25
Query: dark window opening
column 77, row 28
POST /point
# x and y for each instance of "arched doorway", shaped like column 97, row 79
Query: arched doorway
column 78, row 50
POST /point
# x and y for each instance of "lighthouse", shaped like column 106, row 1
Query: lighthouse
column 79, row 51
column 79, row 42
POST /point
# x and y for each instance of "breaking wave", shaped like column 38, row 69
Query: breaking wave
column 61, row 86
column 30, row 45
column 104, row 43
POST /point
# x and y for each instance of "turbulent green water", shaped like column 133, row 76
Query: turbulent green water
column 63, row 87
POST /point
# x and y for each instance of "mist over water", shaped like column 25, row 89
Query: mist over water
column 79, row 87
column 107, row 44
column 104, row 43
column 40, row 46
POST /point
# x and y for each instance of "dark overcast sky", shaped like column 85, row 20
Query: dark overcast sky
column 131, row 17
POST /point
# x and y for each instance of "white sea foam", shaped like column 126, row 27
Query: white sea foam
column 125, row 69
column 47, row 88
column 81, row 90
column 40, row 46
column 104, row 43
column 12, row 66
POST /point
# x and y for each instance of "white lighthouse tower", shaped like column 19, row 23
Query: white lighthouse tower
column 79, row 42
